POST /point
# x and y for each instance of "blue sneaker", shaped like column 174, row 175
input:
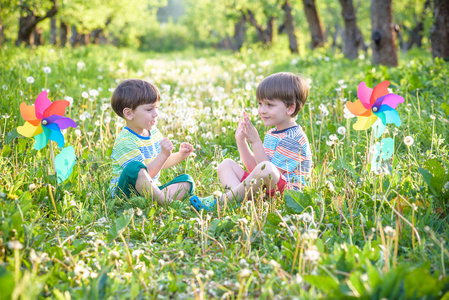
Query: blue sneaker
column 207, row 203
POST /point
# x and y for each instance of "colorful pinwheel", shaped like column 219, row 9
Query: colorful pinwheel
column 373, row 104
column 45, row 120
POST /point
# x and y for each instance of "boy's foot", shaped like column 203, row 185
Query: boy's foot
column 207, row 203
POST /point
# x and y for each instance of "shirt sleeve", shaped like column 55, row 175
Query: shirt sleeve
column 125, row 152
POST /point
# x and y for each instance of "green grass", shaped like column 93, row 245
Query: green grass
column 351, row 234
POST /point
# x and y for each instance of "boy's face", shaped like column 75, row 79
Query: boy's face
column 275, row 112
column 144, row 116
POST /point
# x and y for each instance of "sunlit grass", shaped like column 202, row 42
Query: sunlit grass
column 351, row 233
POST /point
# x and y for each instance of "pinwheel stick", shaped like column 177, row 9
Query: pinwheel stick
column 52, row 156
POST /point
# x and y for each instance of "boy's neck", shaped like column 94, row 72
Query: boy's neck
column 140, row 131
column 290, row 122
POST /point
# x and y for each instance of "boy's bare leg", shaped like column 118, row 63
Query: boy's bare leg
column 146, row 186
column 177, row 191
column 230, row 173
column 269, row 174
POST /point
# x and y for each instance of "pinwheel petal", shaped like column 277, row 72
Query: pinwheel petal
column 375, row 163
column 29, row 130
column 389, row 115
column 64, row 163
column 363, row 123
column 56, row 134
column 62, row 122
column 386, row 148
column 42, row 139
column 392, row 100
column 392, row 116
column 357, row 108
column 41, row 104
column 378, row 128
column 364, row 95
column 28, row 113
column 56, row 108
column 379, row 91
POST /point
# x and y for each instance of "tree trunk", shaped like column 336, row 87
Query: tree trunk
column 351, row 43
column 63, row 30
column 103, row 39
column 315, row 25
column 263, row 35
column 53, row 30
column 239, row 34
column 439, row 34
column 95, row 36
column 1, row 32
column 74, row 37
column 383, row 37
column 37, row 39
column 84, row 39
column 290, row 27
column 28, row 22
column 416, row 34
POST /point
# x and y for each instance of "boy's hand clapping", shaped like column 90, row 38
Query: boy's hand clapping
column 166, row 146
column 249, row 131
column 185, row 149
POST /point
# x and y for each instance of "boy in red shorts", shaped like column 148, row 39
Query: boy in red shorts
column 283, row 160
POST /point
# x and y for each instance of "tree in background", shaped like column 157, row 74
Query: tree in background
column 259, row 12
column 315, row 25
column 289, row 24
column 32, row 13
column 383, row 36
column 353, row 38
column 439, row 34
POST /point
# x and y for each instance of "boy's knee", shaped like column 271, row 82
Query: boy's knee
column 268, row 170
column 225, row 165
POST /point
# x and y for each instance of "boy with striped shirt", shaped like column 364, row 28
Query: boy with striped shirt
column 283, row 160
column 140, row 151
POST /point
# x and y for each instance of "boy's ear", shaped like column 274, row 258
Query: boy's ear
column 291, row 109
column 128, row 113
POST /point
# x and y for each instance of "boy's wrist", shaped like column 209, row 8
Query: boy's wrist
column 256, row 142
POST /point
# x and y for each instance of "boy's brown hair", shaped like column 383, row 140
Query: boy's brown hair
column 284, row 86
column 132, row 93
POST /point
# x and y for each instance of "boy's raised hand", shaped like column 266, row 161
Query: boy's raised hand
column 185, row 149
column 249, row 130
column 166, row 146
column 239, row 136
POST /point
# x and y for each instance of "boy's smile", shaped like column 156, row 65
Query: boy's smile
column 276, row 113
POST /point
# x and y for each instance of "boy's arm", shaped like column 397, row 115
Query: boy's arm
column 253, row 138
column 246, row 155
column 185, row 149
column 155, row 166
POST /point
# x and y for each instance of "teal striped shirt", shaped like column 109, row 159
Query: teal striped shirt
column 129, row 146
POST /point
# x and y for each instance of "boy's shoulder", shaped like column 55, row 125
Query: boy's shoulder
column 292, row 132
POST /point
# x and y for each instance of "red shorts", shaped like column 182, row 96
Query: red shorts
column 280, row 186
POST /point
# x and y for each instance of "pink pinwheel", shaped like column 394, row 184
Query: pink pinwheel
column 373, row 104
column 45, row 120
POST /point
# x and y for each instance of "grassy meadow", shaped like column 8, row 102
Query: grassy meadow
column 351, row 234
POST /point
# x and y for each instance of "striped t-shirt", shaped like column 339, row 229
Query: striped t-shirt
column 129, row 146
column 289, row 151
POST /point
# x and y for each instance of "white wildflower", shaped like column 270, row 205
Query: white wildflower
column 341, row 130
column 408, row 140
column 30, row 80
